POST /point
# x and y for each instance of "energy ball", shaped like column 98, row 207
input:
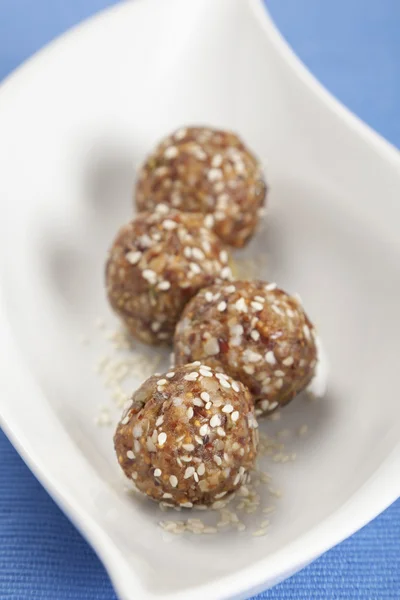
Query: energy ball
column 256, row 333
column 198, row 169
column 188, row 437
column 156, row 264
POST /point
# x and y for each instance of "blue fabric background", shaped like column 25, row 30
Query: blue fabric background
column 353, row 47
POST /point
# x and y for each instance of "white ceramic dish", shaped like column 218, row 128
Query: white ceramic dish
column 110, row 89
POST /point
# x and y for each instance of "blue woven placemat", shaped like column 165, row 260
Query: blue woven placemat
column 353, row 46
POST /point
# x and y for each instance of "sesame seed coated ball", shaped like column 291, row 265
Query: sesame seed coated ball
column 256, row 333
column 156, row 264
column 198, row 169
column 188, row 437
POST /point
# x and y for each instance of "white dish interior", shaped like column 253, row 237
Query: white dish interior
column 74, row 121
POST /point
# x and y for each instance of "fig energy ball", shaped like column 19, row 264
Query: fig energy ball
column 156, row 264
column 188, row 437
column 198, row 169
column 256, row 333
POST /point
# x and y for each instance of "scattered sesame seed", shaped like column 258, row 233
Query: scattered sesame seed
column 133, row 257
column 170, row 374
column 270, row 357
column 162, row 382
column 160, row 421
column 226, row 273
column 217, row 460
column 215, row 421
column 288, row 361
column 204, row 429
column 189, row 472
column 270, row 286
column 257, row 306
column 130, row 455
column 173, row 480
column 188, row 447
column 211, row 347
column 214, row 174
column 164, row 285
column 162, row 438
column 190, row 412
column 201, row 469
column 241, row 305
column 222, row 306
column 235, row 386
column 205, row 373
column 194, row 267
column 228, row 408
column 198, row 254
column 209, row 221
column 198, row 402
column 157, row 472
column 223, row 257
column 235, row 416
column 255, row 335
column 225, row 383
column 216, row 160
column 191, row 376
column 171, row 152
column 149, row 275
column 205, row 396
